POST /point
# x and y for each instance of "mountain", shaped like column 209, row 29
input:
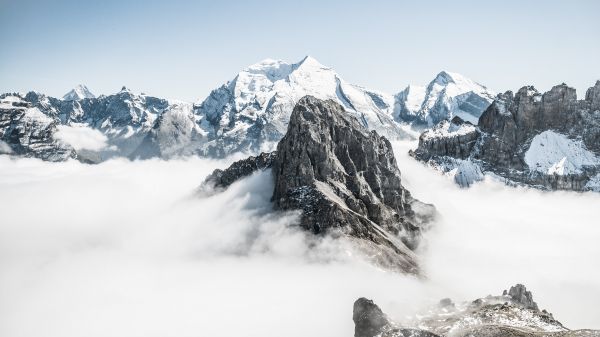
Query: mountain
column 550, row 141
column 250, row 113
column 123, row 119
column 78, row 93
column 344, row 180
column 514, row 313
column 27, row 131
column 448, row 95
column 247, row 114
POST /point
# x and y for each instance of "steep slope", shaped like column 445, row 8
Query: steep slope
column 125, row 118
column 78, row 93
column 344, row 180
column 251, row 112
column 448, row 95
column 514, row 313
column 26, row 131
column 550, row 141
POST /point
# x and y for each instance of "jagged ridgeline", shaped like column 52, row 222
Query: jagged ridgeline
column 513, row 314
column 550, row 141
column 248, row 113
column 345, row 181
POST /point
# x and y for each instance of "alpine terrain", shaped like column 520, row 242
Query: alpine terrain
column 514, row 313
column 550, row 141
column 344, row 180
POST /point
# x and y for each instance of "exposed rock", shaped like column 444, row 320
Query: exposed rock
column 26, row 131
column 550, row 141
column 519, row 294
column 221, row 179
column 345, row 181
column 512, row 314
column 369, row 320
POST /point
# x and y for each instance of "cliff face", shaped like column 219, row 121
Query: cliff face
column 549, row 140
column 345, row 181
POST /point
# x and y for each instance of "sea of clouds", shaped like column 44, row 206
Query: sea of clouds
column 127, row 249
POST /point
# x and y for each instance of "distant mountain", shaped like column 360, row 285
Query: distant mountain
column 124, row 119
column 250, row 113
column 448, row 95
column 550, row 141
column 78, row 93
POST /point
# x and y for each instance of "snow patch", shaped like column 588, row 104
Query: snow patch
column 553, row 153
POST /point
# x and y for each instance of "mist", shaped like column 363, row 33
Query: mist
column 126, row 249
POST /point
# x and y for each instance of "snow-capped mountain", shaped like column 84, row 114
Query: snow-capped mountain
column 547, row 140
column 250, row 113
column 123, row 119
column 77, row 93
column 448, row 95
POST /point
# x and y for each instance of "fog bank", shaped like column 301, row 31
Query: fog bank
column 125, row 249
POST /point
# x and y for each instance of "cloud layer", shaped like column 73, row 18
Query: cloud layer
column 124, row 249
column 81, row 137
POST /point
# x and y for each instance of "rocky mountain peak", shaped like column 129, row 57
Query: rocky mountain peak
column 369, row 320
column 592, row 96
column 444, row 78
column 78, row 93
column 345, row 181
column 548, row 140
column 520, row 295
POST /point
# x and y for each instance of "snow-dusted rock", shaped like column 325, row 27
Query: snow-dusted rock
column 551, row 141
column 344, row 180
column 514, row 313
column 251, row 112
column 124, row 119
column 78, row 93
column 447, row 96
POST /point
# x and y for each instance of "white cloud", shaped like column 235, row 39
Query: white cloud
column 5, row 148
column 81, row 137
column 123, row 249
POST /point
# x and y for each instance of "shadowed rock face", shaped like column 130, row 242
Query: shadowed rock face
column 507, row 129
column 512, row 314
column 345, row 181
column 368, row 318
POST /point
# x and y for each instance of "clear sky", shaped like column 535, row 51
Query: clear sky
column 183, row 49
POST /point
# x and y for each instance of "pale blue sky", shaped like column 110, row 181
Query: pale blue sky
column 183, row 49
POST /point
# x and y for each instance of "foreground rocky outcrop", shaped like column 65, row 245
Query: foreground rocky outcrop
column 345, row 181
column 550, row 141
column 512, row 314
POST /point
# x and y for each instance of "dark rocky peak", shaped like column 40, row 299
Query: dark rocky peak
column 520, row 295
column 345, row 181
column 592, row 96
column 369, row 320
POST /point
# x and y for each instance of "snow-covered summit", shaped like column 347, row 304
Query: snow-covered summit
column 447, row 95
column 78, row 93
column 253, row 109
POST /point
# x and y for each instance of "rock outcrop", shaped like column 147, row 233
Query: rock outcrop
column 26, row 131
column 550, row 140
column 512, row 314
column 345, row 181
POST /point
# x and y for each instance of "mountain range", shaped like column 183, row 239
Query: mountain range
column 246, row 114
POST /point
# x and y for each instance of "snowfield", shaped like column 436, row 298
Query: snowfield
column 554, row 153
